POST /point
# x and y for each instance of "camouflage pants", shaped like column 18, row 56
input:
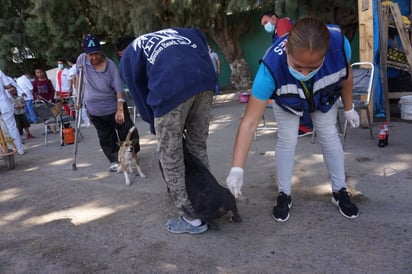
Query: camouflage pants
column 193, row 116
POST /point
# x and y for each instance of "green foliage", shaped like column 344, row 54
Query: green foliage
column 12, row 32
column 54, row 28
column 127, row 16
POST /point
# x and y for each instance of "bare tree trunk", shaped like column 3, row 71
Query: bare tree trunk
column 241, row 77
column 227, row 38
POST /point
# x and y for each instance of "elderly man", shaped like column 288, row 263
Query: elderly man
column 104, row 98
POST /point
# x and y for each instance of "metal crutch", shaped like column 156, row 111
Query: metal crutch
column 79, row 103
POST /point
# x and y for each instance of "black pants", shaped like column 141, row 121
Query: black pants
column 21, row 122
column 106, row 128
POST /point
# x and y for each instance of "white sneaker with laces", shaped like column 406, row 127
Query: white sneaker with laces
column 114, row 167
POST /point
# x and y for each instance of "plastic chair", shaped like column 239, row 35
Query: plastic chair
column 54, row 119
column 363, row 75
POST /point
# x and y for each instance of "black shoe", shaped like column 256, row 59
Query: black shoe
column 304, row 132
column 342, row 200
column 281, row 210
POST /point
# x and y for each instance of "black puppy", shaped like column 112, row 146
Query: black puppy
column 210, row 200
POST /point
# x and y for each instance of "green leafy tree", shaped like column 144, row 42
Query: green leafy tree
column 343, row 13
column 56, row 28
column 13, row 42
column 223, row 20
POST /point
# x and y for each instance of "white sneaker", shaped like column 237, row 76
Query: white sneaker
column 114, row 167
column 21, row 152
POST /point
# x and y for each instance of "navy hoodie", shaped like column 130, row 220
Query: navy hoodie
column 165, row 68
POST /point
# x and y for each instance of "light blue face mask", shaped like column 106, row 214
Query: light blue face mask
column 300, row 77
column 60, row 66
column 269, row 27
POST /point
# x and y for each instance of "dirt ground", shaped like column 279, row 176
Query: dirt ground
column 56, row 220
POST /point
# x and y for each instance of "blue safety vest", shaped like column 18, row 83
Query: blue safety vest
column 324, row 88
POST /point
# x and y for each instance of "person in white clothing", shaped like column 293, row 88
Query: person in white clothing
column 63, row 85
column 216, row 65
column 71, row 61
column 63, row 81
column 25, row 84
column 7, row 111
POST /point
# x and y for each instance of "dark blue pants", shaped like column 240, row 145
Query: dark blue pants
column 306, row 120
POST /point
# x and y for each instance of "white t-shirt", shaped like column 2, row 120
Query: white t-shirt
column 215, row 59
column 65, row 80
column 6, row 104
column 72, row 73
column 26, row 87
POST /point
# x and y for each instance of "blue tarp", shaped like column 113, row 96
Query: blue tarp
column 379, row 108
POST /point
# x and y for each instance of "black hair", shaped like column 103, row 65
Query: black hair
column 122, row 42
column 71, row 59
column 268, row 13
column 309, row 33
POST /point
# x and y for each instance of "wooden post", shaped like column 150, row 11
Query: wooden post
column 384, row 24
column 365, row 12
column 390, row 14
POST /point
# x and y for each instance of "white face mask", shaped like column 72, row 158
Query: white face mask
column 60, row 66
column 300, row 77
column 269, row 27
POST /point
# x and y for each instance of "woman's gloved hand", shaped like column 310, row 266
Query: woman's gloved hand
column 234, row 181
column 352, row 117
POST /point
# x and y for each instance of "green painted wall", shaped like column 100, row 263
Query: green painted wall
column 254, row 44
column 224, row 77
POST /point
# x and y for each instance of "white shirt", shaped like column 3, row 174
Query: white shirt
column 65, row 81
column 26, row 86
column 72, row 73
column 6, row 104
column 73, row 70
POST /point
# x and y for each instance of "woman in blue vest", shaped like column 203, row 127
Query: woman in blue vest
column 307, row 70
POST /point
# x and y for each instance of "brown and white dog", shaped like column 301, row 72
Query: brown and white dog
column 128, row 157
column 56, row 108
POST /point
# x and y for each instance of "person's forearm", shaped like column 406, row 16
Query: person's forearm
column 242, row 145
column 347, row 90
column 120, row 101
column 251, row 118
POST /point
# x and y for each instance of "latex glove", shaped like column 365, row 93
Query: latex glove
column 352, row 117
column 234, row 181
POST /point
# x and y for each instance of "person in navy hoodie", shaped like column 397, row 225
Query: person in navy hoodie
column 172, row 80
column 307, row 70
